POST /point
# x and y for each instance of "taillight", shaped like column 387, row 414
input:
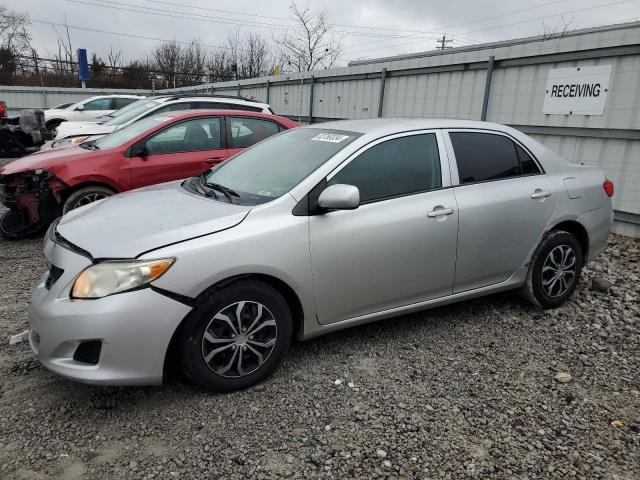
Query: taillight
column 3, row 109
column 608, row 188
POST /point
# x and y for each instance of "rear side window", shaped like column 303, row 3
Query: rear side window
column 527, row 164
column 483, row 156
column 248, row 131
column 397, row 167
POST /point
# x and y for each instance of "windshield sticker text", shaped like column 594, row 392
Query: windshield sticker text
column 330, row 137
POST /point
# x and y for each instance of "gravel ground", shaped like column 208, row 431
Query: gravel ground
column 465, row 391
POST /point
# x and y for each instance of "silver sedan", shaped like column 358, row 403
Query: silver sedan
column 313, row 230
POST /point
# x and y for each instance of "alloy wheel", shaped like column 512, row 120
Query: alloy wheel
column 239, row 339
column 90, row 198
column 559, row 271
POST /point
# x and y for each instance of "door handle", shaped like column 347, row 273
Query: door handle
column 540, row 194
column 439, row 212
column 213, row 160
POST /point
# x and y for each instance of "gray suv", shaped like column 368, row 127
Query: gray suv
column 313, row 230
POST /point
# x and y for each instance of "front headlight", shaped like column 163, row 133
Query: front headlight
column 111, row 277
column 69, row 142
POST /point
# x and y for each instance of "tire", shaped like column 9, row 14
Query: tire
column 223, row 361
column 10, row 146
column 14, row 225
column 85, row 196
column 545, row 287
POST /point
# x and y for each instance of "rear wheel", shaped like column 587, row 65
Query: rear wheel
column 236, row 337
column 15, row 225
column 554, row 271
column 85, row 196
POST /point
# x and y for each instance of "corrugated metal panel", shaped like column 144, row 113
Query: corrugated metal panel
column 20, row 98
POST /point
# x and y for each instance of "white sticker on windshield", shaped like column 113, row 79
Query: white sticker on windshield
column 330, row 137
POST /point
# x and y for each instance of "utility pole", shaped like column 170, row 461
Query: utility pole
column 442, row 43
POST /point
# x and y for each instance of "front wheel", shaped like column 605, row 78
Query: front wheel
column 237, row 337
column 554, row 271
column 85, row 196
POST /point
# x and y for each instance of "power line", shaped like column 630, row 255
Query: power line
column 508, row 24
column 210, row 19
column 122, row 34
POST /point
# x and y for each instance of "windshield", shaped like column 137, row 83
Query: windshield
column 132, row 111
column 273, row 167
column 122, row 136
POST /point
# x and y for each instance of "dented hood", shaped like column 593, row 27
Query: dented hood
column 47, row 159
column 128, row 224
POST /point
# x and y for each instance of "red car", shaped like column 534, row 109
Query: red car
column 165, row 147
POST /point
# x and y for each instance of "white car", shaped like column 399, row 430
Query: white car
column 74, row 133
column 89, row 109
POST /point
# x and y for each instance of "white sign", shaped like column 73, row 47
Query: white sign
column 330, row 137
column 577, row 90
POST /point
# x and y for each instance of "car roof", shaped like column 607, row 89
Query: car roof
column 114, row 95
column 220, row 98
column 185, row 114
column 388, row 126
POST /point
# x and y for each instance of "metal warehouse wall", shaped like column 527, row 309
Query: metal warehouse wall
column 453, row 84
column 20, row 98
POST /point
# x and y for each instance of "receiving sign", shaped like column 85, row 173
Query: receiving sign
column 577, row 90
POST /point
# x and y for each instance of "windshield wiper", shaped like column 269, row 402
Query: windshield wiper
column 199, row 184
column 226, row 191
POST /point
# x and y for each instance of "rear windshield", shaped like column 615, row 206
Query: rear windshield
column 274, row 166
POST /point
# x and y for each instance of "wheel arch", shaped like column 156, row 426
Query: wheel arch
column 90, row 183
column 290, row 296
column 578, row 230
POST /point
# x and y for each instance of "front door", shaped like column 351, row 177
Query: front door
column 504, row 201
column 179, row 151
column 399, row 246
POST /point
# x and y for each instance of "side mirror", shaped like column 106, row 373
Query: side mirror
column 139, row 150
column 80, row 108
column 339, row 197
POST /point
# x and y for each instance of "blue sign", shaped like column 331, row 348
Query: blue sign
column 83, row 65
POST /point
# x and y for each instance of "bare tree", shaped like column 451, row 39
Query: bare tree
column 311, row 44
column 192, row 64
column 15, row 39
column 254, row 57
column 556, row 32
column 114, row 59
column 166, row 59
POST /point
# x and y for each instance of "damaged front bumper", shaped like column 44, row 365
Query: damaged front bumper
column 33, row 200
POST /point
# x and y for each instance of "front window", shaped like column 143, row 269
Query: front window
column 126, row 134
column 270, row 169
column 134, row 111
column 189, row 136
column 397, row 167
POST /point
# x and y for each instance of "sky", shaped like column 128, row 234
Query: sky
column 368, row 28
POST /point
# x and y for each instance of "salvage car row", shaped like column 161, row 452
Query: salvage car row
column 312, row 230
column 152, row 142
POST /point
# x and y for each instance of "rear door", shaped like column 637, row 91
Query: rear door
column 180, row 150
column 504, row 199
column 242, row 132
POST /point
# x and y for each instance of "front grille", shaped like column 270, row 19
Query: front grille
column 88, row 352
column 54, row 274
